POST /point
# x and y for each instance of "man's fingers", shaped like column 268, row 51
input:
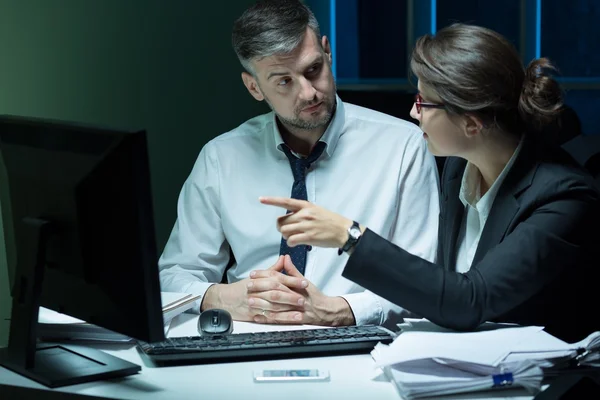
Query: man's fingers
column 292, row 271
column 296, row 281
column 263, row 302
column 265, row 285
column 265, row 273
column 285, row 317
column 276, row 297
column 260, row 319
column 278, row 266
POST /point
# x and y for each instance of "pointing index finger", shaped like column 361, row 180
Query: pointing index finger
column 292, row 205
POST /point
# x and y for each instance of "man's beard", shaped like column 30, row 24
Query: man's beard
column 299, row 123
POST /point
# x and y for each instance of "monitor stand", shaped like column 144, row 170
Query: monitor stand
column 53, row 365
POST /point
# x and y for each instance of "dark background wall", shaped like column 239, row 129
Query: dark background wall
column 372, row 40
column 166, row 66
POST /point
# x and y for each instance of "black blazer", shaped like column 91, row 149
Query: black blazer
column 537, row 262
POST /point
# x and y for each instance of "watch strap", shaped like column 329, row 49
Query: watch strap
column 351, row 240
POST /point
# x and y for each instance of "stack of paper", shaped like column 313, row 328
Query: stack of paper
column 429, row 378
column 425, row 360
column 54, row 326
column 591, row 356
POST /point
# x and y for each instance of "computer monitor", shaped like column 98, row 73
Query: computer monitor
column 79, row 233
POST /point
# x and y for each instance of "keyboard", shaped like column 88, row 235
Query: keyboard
column 265, row 345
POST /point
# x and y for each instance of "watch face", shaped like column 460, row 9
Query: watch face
column 354, row 232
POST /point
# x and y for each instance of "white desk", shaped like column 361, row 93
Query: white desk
column 352, row 377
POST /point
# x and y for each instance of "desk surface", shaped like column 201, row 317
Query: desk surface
column 352, row 377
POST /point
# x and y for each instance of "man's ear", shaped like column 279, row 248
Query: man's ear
column 252, row 86
column 473, row 125
column 326, row 47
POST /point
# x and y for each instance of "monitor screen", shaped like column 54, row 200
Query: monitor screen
column 77, row 209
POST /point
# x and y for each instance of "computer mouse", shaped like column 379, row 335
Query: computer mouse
column 215, row 321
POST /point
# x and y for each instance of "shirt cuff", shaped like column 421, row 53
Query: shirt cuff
column 197, row 288
column 366, row 307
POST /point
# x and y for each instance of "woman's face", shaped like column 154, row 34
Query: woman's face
column 444, row 133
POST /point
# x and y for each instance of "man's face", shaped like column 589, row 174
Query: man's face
column 299, row 86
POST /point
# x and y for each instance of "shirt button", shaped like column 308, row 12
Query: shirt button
column 309, row 247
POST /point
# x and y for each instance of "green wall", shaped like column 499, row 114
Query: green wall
column 166, row 66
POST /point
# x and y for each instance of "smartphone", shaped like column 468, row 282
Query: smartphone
column 299, row 375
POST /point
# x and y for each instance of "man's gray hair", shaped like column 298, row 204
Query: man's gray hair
column 271, row 27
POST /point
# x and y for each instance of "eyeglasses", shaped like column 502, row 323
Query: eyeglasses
column 420, row 104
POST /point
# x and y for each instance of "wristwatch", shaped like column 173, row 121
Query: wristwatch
column 354, row 234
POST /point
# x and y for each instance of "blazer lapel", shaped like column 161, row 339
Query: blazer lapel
column 505, row 206
column 453, row 214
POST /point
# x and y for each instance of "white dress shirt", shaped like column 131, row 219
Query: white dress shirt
column 375, row 170
column 477, row 210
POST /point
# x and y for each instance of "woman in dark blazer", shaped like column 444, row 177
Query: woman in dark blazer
column 518, row 231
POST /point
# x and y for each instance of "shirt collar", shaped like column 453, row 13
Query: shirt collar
column 470, row 188
column 330, row 137
column 470, row 185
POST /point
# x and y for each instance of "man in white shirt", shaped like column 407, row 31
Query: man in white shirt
column 373, row 168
